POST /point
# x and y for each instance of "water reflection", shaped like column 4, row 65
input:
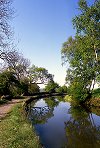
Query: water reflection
column 81, row 129
column 61, row 125
column 40, row 111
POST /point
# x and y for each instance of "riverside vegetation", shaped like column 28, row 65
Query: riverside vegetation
column 82, row 52
column 16, row 131
column 18, row 78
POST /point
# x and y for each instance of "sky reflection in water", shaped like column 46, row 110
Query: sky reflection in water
column 61, row 125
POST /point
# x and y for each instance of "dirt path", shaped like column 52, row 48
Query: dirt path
column 6, row 108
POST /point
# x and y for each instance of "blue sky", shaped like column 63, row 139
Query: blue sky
column 41, row 26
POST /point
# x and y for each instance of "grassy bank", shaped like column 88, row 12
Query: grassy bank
column 16, row 132
column 94, row 101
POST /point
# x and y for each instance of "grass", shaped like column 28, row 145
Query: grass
column 16, row 132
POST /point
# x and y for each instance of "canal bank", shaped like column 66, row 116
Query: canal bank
column 16, row 131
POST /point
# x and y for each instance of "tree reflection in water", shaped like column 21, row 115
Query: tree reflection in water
column 40, row 115
column 75, row 125
column 81, row 131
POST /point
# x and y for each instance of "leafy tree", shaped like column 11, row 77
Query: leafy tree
column 39, row 75
column 51, row 87
column 82, row 69
column 87, row 23
column 82, row 51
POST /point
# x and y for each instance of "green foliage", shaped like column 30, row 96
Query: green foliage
column 62, row 89
column 28, row 88
column 9, row 85
column 96, row 93
column 78, row 92
column 24, row 83
column 39, row 75
column 88, row 20
column 7, row 81
column 82, row 51
column 68, row 98
column 33, row 88
column 51, row 87
column 82, row 69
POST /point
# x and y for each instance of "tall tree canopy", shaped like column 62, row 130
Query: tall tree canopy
column 88, row 23
column 82, row 52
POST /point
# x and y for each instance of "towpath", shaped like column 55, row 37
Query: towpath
column 6, row 108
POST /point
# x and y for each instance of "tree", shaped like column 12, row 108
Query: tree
column 39, row 75
column 20, row 67
column 82, row 69
column 87, row 23
column 5, row 30
column 16, row 63
column 80, row 53
column 51, row 87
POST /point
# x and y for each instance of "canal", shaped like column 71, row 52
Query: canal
column 60, row 124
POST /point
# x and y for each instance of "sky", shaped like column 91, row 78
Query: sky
column 41, row 27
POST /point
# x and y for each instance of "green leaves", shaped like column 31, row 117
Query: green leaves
column 39, row 75
column 7, row 80
column 51, row 87
column 83, row 51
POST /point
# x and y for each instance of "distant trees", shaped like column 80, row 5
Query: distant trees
column 39, row 75
column 83, row 51
column 54, row 87
column 51, row 87
column 18, row 64
column 20, row 79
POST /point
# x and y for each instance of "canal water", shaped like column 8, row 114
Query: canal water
column 60, row 124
